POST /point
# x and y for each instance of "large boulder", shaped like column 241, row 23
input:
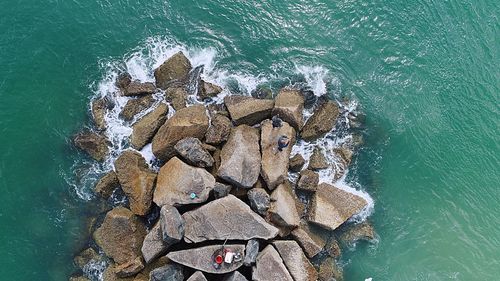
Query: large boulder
column 136, row 180
column 283, row 211
column 270, row 266
column 177, row 96
column 181, row 184
column 274, row 168
column 226, row 218
column 240, row 157
column 134, row 106
column 197, row 276
column 321, row 122
column 136, row 88
column 121, row 235
column 144, row 130
column 208, row 90
column 289, row 105
column 192, row 150
column 248, row 110
column 219, row 130
column 107, row 184
column 331, row 206
column 188, row 122
column 174, row 69
column 295, row 261
column 94, row 144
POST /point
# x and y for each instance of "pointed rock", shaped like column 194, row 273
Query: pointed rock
column 134, row 106
column 153, row 245
column 270, row 267
column 355, row 232
column 289, row 105
column 321, row 122
column 197, row 276
column 295, row 261
column 172, row 225
column 192, row 150
column 219, row 130
column 318, row 160
column 208, row 90
column 94, row 144
column 234, row 276
column 107, row 184
column 174, row 69
column 144, row 130
column 283, row 211
column 248, row 110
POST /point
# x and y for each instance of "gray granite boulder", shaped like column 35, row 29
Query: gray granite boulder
column 259, row 200
column 192, row 150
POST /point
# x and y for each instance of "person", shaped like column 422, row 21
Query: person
column 283, row 142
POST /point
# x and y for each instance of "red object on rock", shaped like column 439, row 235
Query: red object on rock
column 219, row 259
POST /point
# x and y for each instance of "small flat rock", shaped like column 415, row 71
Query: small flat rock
column 107, row 184
column 308, row 181
column 203, row 258
column 234, row 276
column 177, row 96
column 153, row 245
column 169, row 272
column 144, row 130
column 248, row 110
column 321, row 122
column 296, row 163
column 270, row 267
column 226, row 218
column 136, row 105
column 251, row 252
column 178, row 182
column 260, row 201
column 175, row 69
column 197, row 276
column 94, row 144
column 283, row 211
column 192, row 150
column 172, row 225
column 331, row 206
column 318, row 160
column 295, row 261
column 289, row 105
column 136, row 88
column 219, row 130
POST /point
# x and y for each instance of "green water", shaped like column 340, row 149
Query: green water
column 423, row 72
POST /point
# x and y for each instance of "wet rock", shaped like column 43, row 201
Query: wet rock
column 270, row 267
column 321, row 122
column 221, row 190
column 85, row 256
column 177, row 96
column 331, row 206
column 203, row 258
column 259, row 200
column 191, row 150
column 172, row 225
column 144, row 130
column 251, row 252
column 153, row 245
column 110, row 275
column 344, row 153
column 329, row 270
column 188, row 122
column 274, row 169
column 169, row 272
column 129, row 268
column 283, row 211
column 225, row 218
column 219, row 130
column 123, row 80
column 332, row 247
column 295, row 261
column 296, row 163
column 174, row 69
column 318, row 160
column 311, row 244
column 136, row 180
column 262, row 93
column 121, row 235
column 78, row 278
column 134, row 106
column 208, row 90
column 240, row 157
column 94, row 144
column 356, row 232
column 180, row 184
column 197, row 276
column 136, row 88
column 107, row 184
column 99, row 107
column 234, row 276
column 289, row 105
column 248, row 110
column 308, row 181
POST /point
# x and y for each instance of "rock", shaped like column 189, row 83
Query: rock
column 174, row 69
column 221, row 190
column 94, row 144
column 274, row 168
column 328, row 271
column 318, row 160
column 321, row 122
column 234, row 276
column 251, row 252
column 191, row 150
column 308, row 181
column 356, row 232
column 219, row 130
column 331, row 206
column 225, row 218
column 136, row 88
column 121, row 235
column 110, row 275
column 262, row 93
column 144, row 274
column 78, row 278
column 153, row 245
column 172, row 225
column 296, row 163
column 210, row 148
column 85, row 256
column 248, row 110
column 215, row 108
column 99, row 107
column 169, row 272
column 345, row 153
column 309, row 242
column 289, row 105
column 332, row 248
column 240, row 157
column 136, row 180
column 197, row 276
column 177, row 96
column 144, row 130
column 123, row 80
column 107, row 184
column 208, row 90
column 270, row 267
column 187, row 122
column 283, row 211
column 343, row 156
column 181, row 184
column 129, row 268
column 259, row 200
column 134, row 106
column 203, row 258
column 295, row 261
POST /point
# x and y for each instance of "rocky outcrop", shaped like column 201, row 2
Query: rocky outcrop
column 123, row 80
column 180, row 184
column 225, row 218
column 308, row 181
column 136, row 88
column 234, row 276
column 197, row 276
column 177, row 96
column 251, row 252
column 259, row 200
column 94, row 144
column 169, row 272
column 136, row 180
column 240, row 157
column 270, row 267
column 107, row 184
column 295, row 261
column 321, row 122
column 192, row 150
column 248, row 110
column 283, row 211
column 289, row 105
column 219, row 130
column 317, row 161
column 296, row 163
column 208, row 90
column 188, row 122
column 174, row 69
column 99, row 107
column 134, row 106
column 144, row 130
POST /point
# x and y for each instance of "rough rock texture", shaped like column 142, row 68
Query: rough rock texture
column 308, row 240
column 99, row 107
column 136, row 180
column 219, row 130
column 144, row 274
column 251, row 252
column 296, row 163
column 328, row 271
column 121, row 235
column 177, row 96
column 274, row 168
column 144, row 130
column 308, row 181
column 107, row 184
column 270, row 267
column 197, row 276
column 123, row 80
column 129, row 268
column 172, row 225
column 208, row 90
column 169, row 272
column 295, row 261
column 188, row 122
column 94, row 144
column 134, row 106
column 283, row 211
column 174, row 69
column 240, row 157
column 331, row 206
column 318, row 160
column 202, row 258
column 234, row 276
column 192, row 150
column 221, row 190
column 321, row 122
column 248, row 110
column 136, row 88
column 110, row 275
column 178, row 182
column 78, row 278
column 225, row 218
column 85, row 256
column 259, row 200
column 289, row 105
column 153, row 244
column 355, row 232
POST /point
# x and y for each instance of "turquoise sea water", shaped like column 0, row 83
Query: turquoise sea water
column 423, row 72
